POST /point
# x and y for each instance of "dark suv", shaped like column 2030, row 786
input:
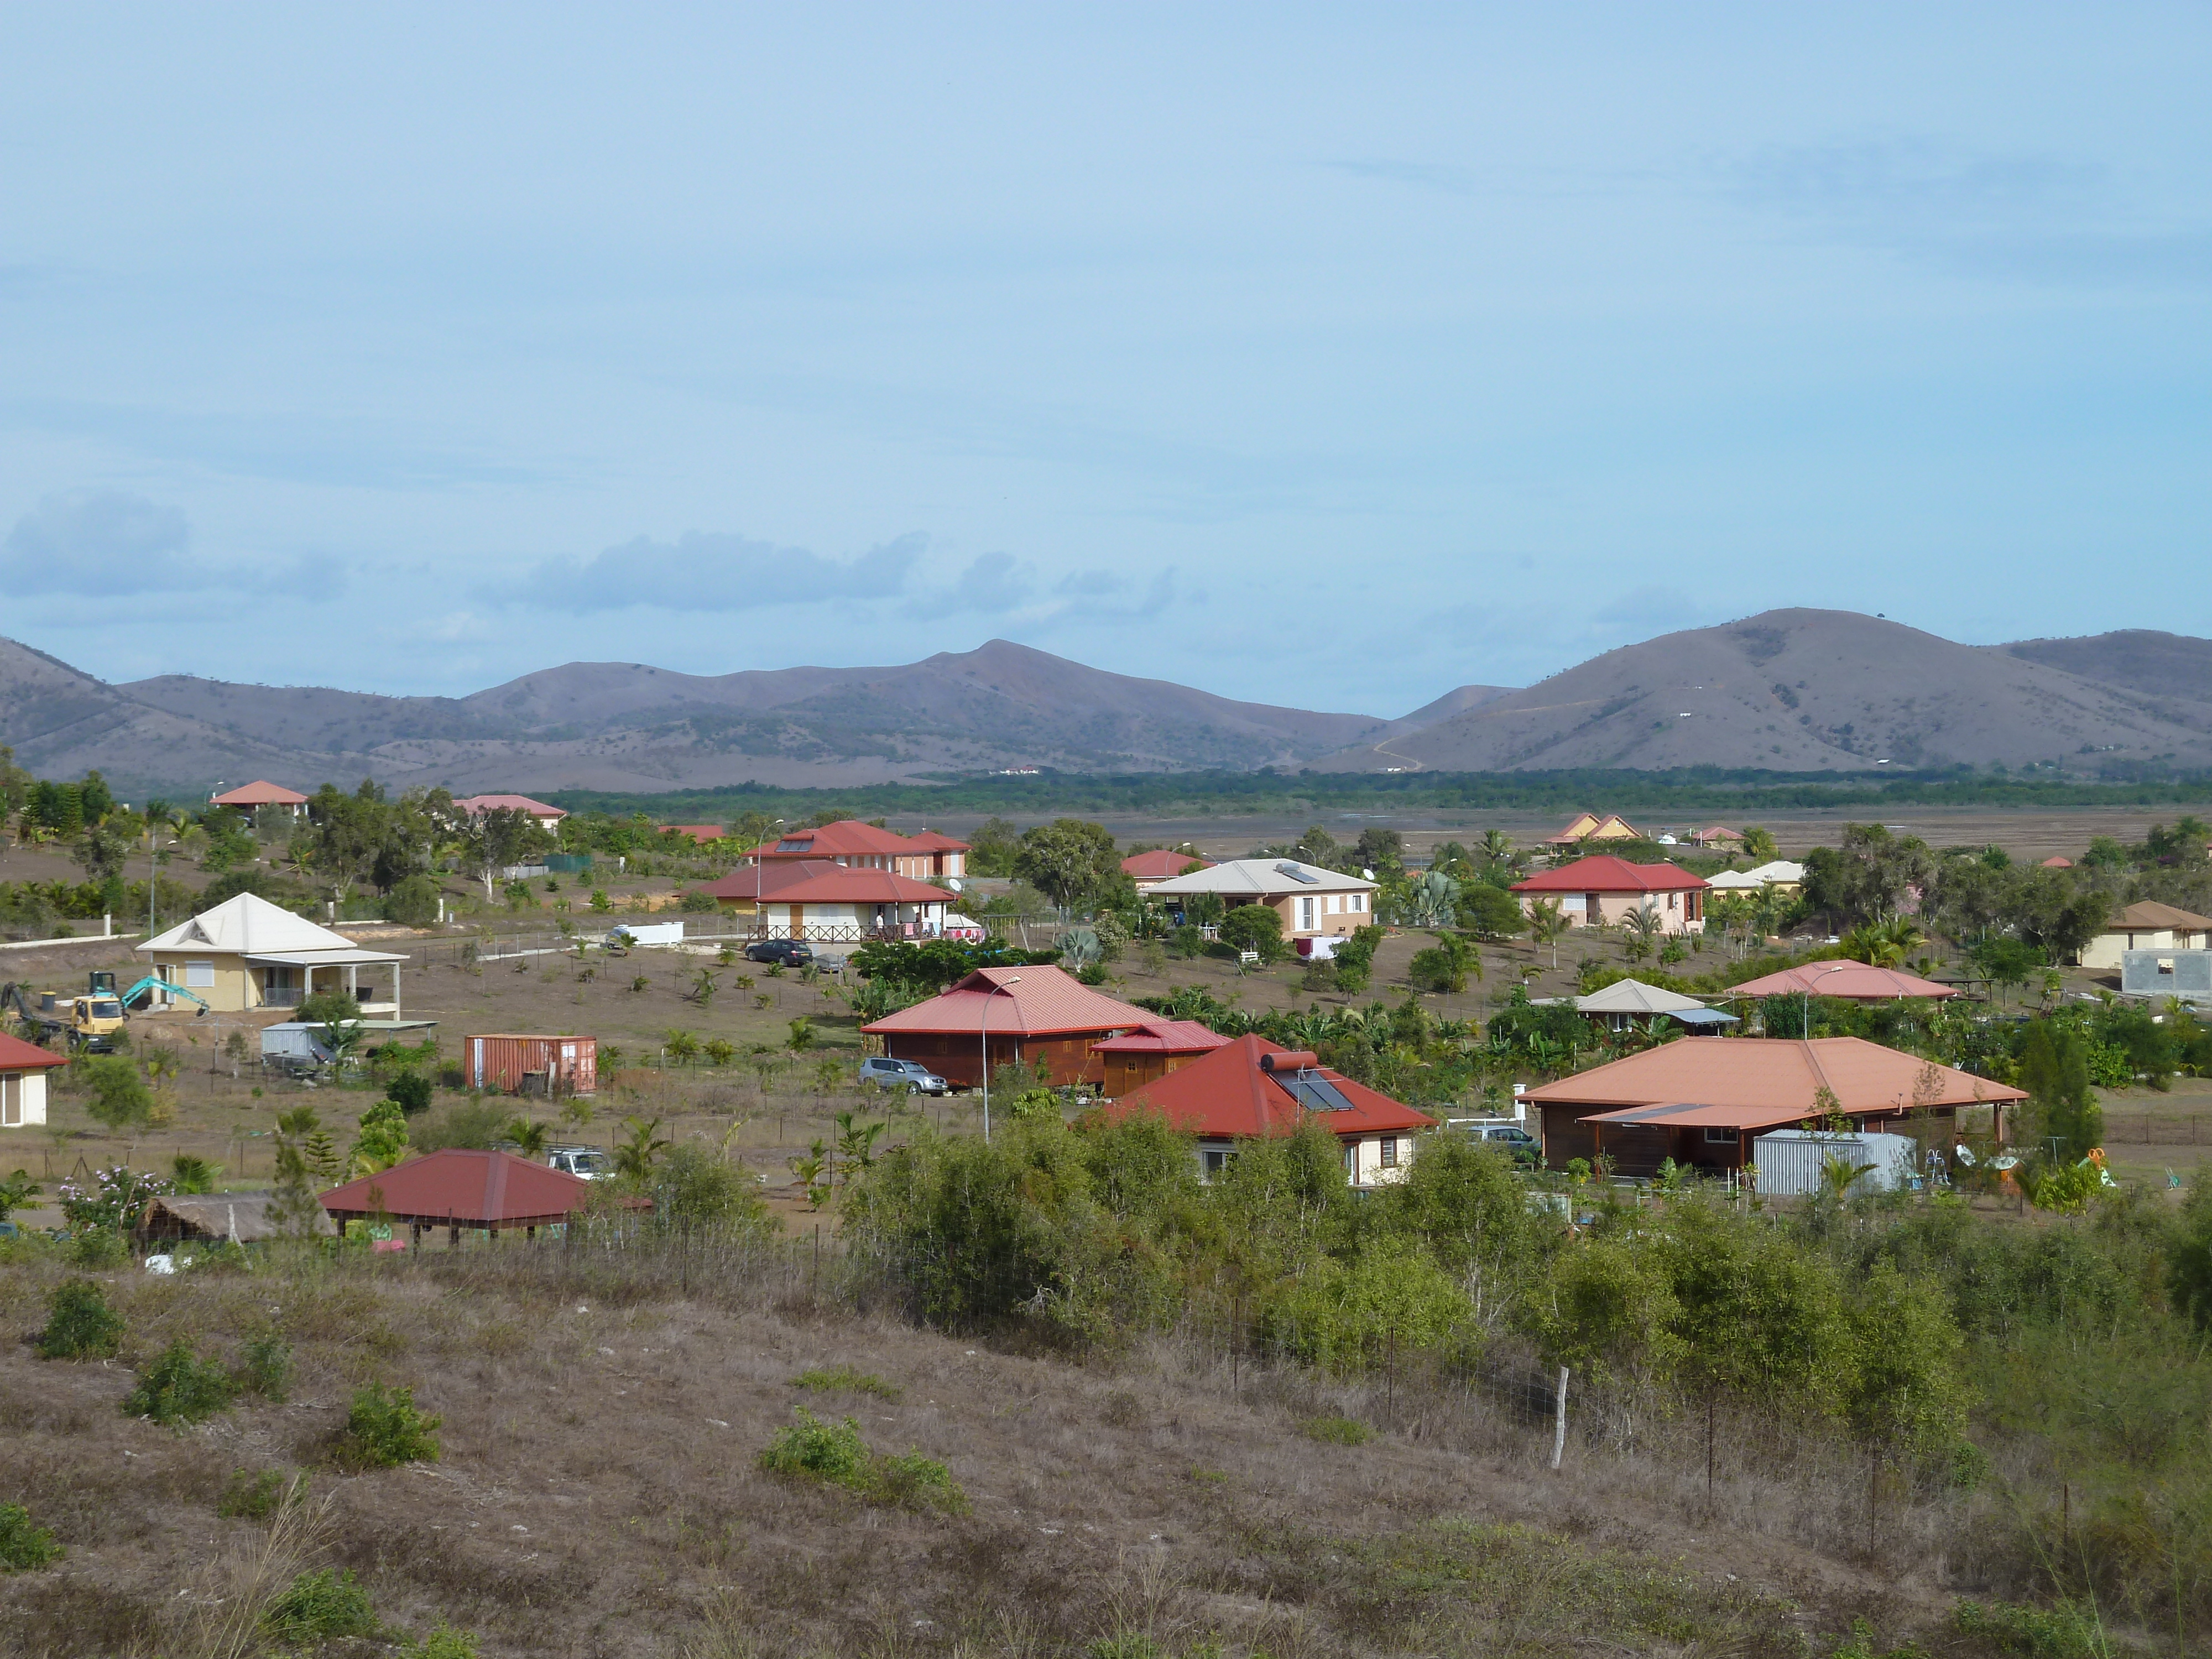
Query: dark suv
column 790, row 952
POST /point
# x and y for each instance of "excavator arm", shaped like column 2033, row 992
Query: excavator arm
column 147, row 987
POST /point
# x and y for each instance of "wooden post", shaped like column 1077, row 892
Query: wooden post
column 1559, row 1419
column 1708, row 1448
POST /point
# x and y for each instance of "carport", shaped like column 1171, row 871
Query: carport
column 491, row 1192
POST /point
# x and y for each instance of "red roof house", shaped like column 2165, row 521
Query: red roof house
column 1161, row 864
column 1716, row 835
column 548, row 817
column 1602, row 890
column 23, row 1068
column 1250, row 1086
column 457, row 1188
column 1152, row 1050
column 1700, row 1100
column 866, row 847
column 1855, row 982
column 2056, row 861
column 1028, row 1015
column 260, row 792
column 826, row 902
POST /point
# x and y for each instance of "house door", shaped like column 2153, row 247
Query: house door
column 1305, row 915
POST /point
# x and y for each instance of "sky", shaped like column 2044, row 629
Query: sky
column 1325, row 356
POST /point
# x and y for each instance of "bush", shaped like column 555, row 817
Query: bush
column 412, row 1090
column 413, row 903
column 700, row 905
column 478, row 1125
column 384, row 1430
column 254, row 1497
column 445, row 1643
column 178, row 1387
column 2066, row 1632
column 330, row 1008
column 98, row 1248
column 264, row 1369
column 835, row 1453
column 121, row 1098
column 693, row 1188
column 80, row 1324
column 1336, row 1431
column 317, row 1608
column 834, row 1379
column 23, row 1546
column 1255, row 928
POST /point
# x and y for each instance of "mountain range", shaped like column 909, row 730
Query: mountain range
column 1787, row 691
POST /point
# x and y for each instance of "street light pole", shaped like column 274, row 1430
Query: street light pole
column 1012, row 979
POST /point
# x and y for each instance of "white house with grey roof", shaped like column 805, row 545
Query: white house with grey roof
column 247, row 953
column 1313, row 902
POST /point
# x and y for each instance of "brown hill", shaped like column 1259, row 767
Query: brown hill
column 623, row 725
column 2169, row 666
column 1805, row 690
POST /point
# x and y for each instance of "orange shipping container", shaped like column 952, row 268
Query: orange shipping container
column 550, row 1064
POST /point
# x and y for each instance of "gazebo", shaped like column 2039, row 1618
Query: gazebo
column 1853, row 982
column 495, row 1191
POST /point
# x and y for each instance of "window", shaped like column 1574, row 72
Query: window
column 11, row 1103
column 1213, row 1160
column 1389, row 1152
column 1305, row 915
column 1720, row 1137
column 1351, row 1160
column 1359, row 902
column 198, row 974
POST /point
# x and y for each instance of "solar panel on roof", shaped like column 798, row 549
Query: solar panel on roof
column 1295, row 872
column 1316, row 1092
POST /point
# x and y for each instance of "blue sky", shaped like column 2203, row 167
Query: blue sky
column 1325, row 356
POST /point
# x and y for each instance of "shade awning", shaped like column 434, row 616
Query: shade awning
column 1690, row 1114
column 349, row 958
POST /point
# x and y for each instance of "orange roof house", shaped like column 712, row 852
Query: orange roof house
column 1716, row 835
column 1699, row 1100
column 1602, row 890
column 1155, row 1048
column 1249, row 1087
column 250, row 797
column 1854, row 982
column 1028, row 1015
column 1589, row 826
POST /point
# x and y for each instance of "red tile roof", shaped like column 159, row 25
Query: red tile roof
column 847, row 838
column 1047, row 1002
column 2056, row 861
column 17, row 1055
column 1856, row 980
column 1604, row 873
column 1161, row 864
column 1163, row 1036
column 474, row 1189
column 936, row 841
column 1227, row 1094
column 1785, row 1074
column 537, row 808
column 260, row 792
column 818, row 881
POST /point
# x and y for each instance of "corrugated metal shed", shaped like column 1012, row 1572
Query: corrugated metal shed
column 561, row 1065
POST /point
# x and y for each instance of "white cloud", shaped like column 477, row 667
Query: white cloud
column 705, row 570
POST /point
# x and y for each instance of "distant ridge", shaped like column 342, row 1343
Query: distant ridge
column 1794, row 691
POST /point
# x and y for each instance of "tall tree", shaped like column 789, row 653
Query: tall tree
column 1067, row 860
column 490, row 842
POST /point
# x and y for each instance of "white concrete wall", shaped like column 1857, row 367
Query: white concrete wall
column 22, row 1100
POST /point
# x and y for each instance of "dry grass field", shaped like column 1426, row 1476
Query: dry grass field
column 599, row 1492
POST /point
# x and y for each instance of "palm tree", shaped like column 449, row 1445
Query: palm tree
column 1497, row 847
column 529, row 1138
column 1639, row 929
column 636, row 1157
column 1547, row 925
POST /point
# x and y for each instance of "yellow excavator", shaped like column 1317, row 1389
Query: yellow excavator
column 88, row 1023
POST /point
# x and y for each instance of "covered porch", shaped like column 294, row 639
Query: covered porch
column 1640, row 1139
column 285, row 979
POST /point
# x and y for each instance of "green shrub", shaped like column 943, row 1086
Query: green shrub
column 252, row 1495
column 412, row 1090
column 384, row 1430
column 835, row 1453
column 413, row 903
column 178, row 1387
column 330, row 1008
column 1336, row 1431
column 121, row 1098
column 80, row 1324
column 445, row 1643
column 264, row 1367
column 475, row 1124
column 22, row 1544
column 318, row 1607
column 98, row 1248
column 833, row 1379
column 2066, row 1632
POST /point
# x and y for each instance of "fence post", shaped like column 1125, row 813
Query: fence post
column 1559, row 1419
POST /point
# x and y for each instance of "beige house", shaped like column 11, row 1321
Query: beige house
column 1604, row 891
column 247, row 953
column 1312, row 902
column 23, row 1068
column 2146, row 926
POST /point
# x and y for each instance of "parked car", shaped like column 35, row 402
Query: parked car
column 588, row 1162
column 790, row 952
column 1524, row 1147
column 887, row 1073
